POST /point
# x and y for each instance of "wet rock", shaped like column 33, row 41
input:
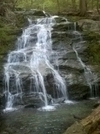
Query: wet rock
column 35, row 12
column 33, row 100
column 97, row 104
column 51, row 88
column 1, row 91
column 78, row 92
column 59, row 100
column 1, row 105
column 0, row 100
column 64, row 26
column 72, row 64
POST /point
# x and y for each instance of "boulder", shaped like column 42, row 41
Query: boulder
column 33, row 100
column 35, row 12
column 89, row 25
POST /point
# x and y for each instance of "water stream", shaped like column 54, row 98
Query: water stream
column 89, row 76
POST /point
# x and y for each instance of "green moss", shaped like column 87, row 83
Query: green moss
column 91, row 36
column 7, row 38
column 94, row 53
column 93, row 42
column 20, row 20
column 6, row 34
column 9, row 29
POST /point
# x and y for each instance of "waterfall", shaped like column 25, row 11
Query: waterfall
column 32, row 59
column 89, row 76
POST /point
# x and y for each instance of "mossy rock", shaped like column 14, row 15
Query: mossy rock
column 91, row 36
column 93, row 49
column 21, row 20
column 8, row 35
column 89, row 25
column 94, row 53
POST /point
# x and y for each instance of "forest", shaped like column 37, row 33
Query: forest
column 74, row 7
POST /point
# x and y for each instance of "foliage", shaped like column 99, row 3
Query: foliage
column 64, row 6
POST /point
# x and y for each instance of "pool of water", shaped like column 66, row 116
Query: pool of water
column 33, row 121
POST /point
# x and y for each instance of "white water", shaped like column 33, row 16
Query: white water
column 32, row 59
column 89, row 76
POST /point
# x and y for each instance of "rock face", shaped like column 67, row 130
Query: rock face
column 89, row 125
column 73, row 58
column 70, row 59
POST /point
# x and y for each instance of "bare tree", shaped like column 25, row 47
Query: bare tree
column 98, row 6
column 58, row 5
column 92, row 4
column 74, row 5
column 12, row 3
column 83, row 7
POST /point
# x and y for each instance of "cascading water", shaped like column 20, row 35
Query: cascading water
column 89, row 76
column 32, row 60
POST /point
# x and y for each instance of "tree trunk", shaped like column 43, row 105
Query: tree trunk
column 83, row 7
column 92, row 3
column 74, row 5
column 58, row 6
column 98, row 6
